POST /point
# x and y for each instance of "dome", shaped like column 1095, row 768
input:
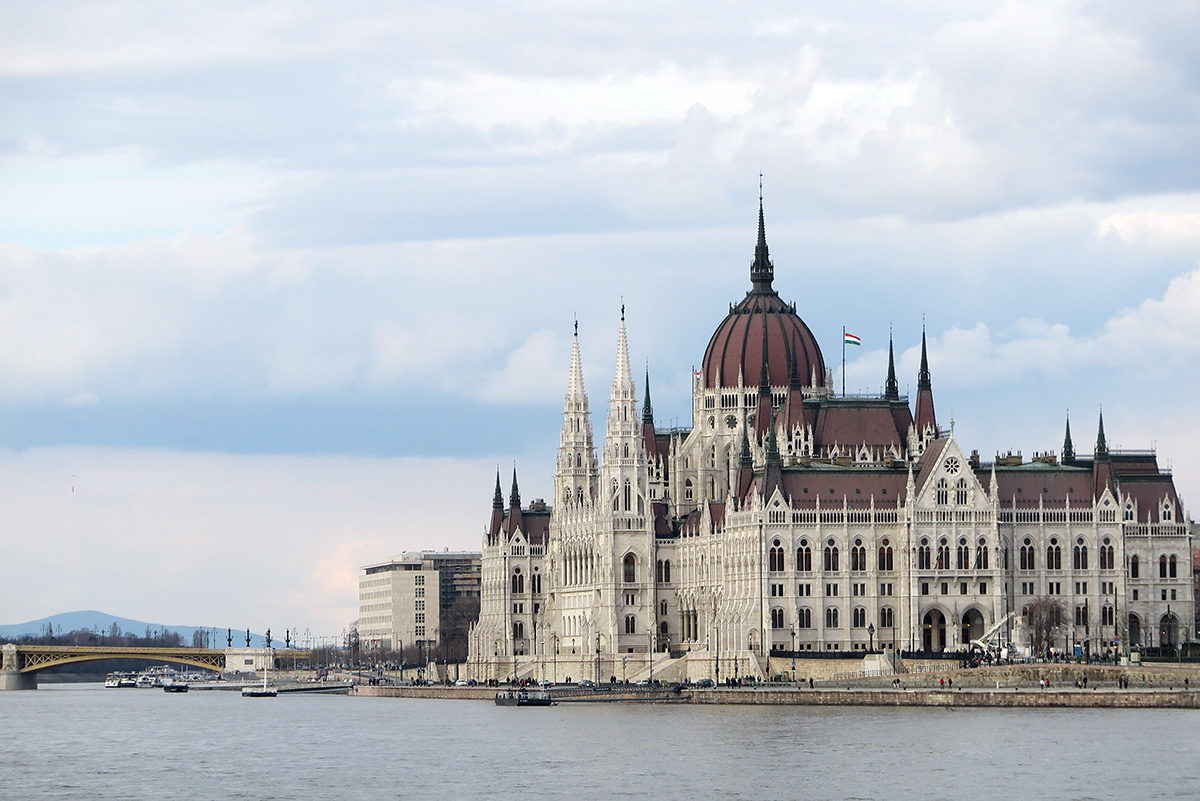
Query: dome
column 737, row 344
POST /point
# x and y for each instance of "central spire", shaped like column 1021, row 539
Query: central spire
column 762, row 272
column 892, row 392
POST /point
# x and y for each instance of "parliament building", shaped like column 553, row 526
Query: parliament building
column 791, row 519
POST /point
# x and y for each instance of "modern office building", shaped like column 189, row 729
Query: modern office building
column 409, row 599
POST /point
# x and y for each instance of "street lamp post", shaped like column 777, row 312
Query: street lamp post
column 597, row 657
column 554, row 639
column 793, row 653
column 871, row 637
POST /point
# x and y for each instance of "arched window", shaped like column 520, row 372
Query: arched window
column 667, row 571
column 1053, row 556
column 943, row 555
column 627, row 495
column 1133, row 567
column 1106, row 556
column 775, row 558
column 518, row 582
column 630, row 624
column 1079, row 560
column 658, row 571
column 886, row 617
column 535, row 583
column 804, row 557
column 981, row 555
column 777, row 618
column 831, row 557
column 1081, row 615
column 804, row 618
column 858, row 557
column 963, row 555
column 662, row 608
column 1027, row 555
column 616, row 497
column 518, row 630
column 1106, row 616
column 943, row 492
column 831, row 617
column 960, row 492
column 1171, row 567
column 858, row 618
column 687, row 490
column 630, row 564
column 885, row 555
column 923, row 560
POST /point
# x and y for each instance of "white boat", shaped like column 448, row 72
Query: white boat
column 112, row 680
column 254, row 691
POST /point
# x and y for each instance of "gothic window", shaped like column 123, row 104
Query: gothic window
column 1027, row 555
column 1171, row 566
column 831, row 557
column 943, row 492
column 579, row 495
column 831, row 617
column 886, row 617
column 804, row 557
column 1133, row 567
column 518, row 582
column 667, row 571
column 518, row 630
column 858, row 618
column 943, row 556
column 923, row 560
column 885, row 555
column 1162, row 567
column 1106, row 556
column 963, row 555
column 630, row 564
column 1053, row 556
column 858, row 556
column 535, row 583
column 578, row 458
column 662, row 608
column 1106, row 616
column 777, row 618
column 630, row 624
column 658, row 571
column 960, row 492
column 687, row 489
column 627, row 495
column 775, row 558
column 981, row 555
column 1079, row 556
column 616, row 496
column 1080, row 616
column 804, row 618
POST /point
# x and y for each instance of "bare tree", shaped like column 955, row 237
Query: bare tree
column 1044, row 618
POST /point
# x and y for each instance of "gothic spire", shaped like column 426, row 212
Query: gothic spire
column 1101, row 443
column 764, row 379
column 923, row 381
column 1068, row 451
column 647, row 409
column 514, row 498
column 498, row 498
column 762, row 272
column 623, row 376
column 745, row 461
column 893, row 386
column 575, row 388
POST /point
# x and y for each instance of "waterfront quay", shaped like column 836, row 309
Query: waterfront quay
column 1034, row 685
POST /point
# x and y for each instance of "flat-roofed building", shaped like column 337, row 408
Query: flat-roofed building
column 413, row 599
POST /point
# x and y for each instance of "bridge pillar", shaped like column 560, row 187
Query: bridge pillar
column 11, row 677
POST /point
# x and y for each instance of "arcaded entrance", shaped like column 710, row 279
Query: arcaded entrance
column 933, row 631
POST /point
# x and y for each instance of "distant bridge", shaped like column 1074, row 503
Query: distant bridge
column 20, row 663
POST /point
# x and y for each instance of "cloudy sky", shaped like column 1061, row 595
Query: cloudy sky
column 282, row 284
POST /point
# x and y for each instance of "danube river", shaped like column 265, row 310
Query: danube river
column 86, row 742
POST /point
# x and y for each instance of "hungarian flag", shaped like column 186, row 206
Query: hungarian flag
column 850, row 339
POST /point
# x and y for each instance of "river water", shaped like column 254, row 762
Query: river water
column 86, row 742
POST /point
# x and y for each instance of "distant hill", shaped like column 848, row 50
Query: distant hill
column 102, row 621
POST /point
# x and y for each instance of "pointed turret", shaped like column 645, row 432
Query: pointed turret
column 649, row 441
column 762, row 272
column 577, row 475
column 762, row 420
column 924, row 418
column 1101, row 443
column 1068, row 449
column 497, row 524
column 514, row 504
column 892, row 391
column 773, row 470
column 745, row 475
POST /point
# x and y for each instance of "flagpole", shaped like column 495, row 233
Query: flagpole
column 843, row 361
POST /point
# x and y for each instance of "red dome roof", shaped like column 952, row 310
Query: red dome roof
column 737, row 344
